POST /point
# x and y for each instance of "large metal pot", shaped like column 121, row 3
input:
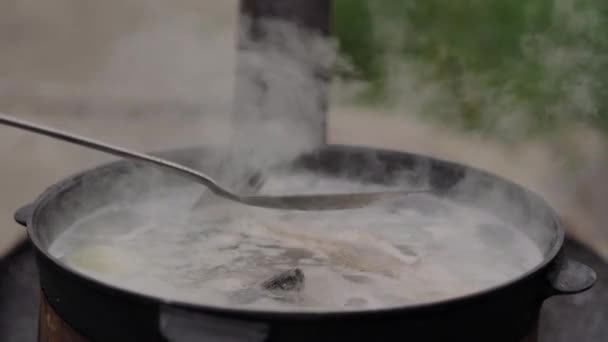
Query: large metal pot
column 98, row 312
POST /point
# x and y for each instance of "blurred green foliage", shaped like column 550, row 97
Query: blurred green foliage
column 544, row 59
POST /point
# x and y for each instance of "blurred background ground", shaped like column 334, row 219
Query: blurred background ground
column 154, row 74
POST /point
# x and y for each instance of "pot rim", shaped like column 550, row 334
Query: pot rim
column 50, row 193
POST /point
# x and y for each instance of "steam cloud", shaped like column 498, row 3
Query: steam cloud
column 190, row 61
column 281, row 94
column 567, row 57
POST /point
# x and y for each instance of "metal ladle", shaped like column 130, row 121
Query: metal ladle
column 289, row 202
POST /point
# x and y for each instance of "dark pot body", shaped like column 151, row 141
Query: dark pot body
column 508, row 312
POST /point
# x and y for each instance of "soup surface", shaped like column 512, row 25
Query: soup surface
column 415, row 249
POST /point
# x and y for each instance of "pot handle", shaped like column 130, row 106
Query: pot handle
column 23, row 214
column 570, row 277
column 177, row 325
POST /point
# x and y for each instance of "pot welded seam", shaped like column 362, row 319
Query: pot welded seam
column 179, row 325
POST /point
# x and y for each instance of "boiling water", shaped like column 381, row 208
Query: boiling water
column 416, row 249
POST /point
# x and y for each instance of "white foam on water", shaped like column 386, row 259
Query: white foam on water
column 400, row 253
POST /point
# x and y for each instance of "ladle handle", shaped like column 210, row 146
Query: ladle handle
column 111, row 149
